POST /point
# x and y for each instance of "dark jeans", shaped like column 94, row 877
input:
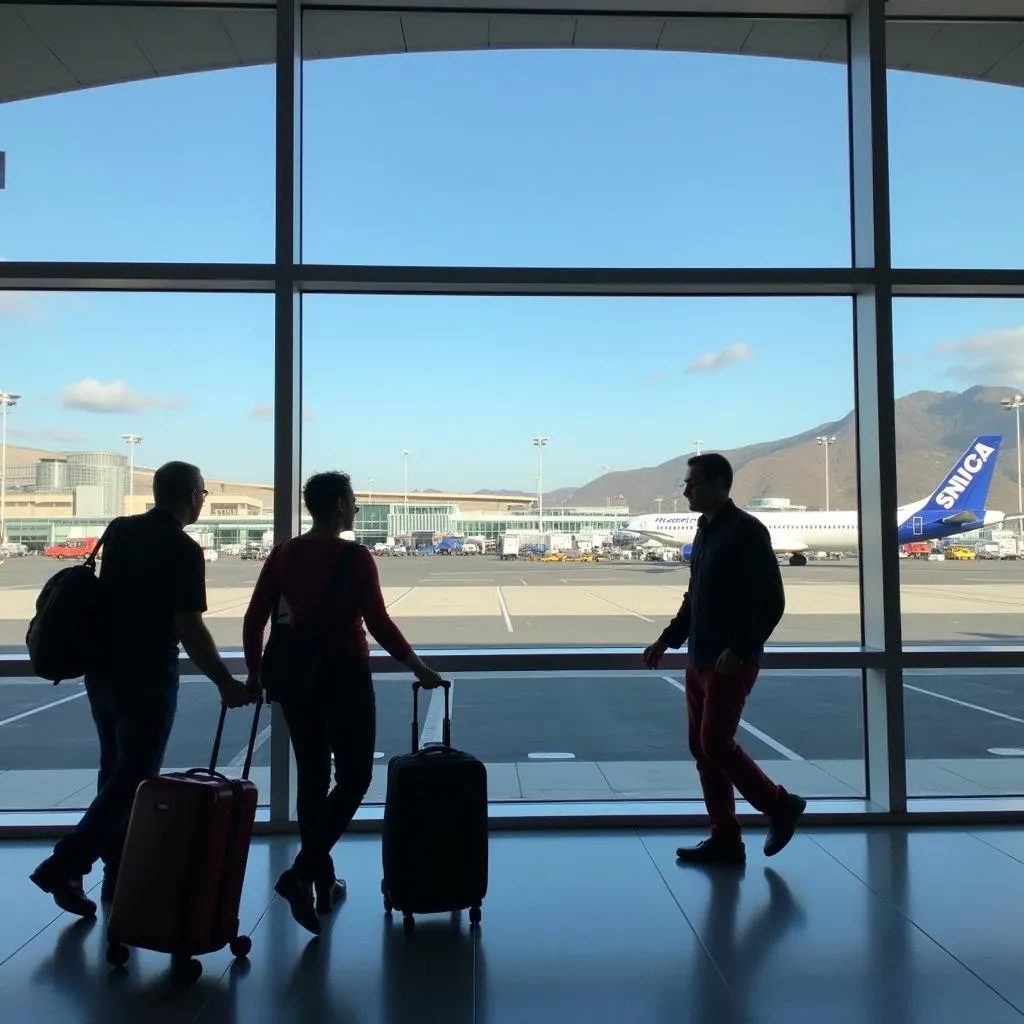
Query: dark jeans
column 133, row 719
column 341, row 720
column 714, row 705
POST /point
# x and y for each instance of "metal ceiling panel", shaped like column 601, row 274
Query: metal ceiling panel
column 253, row 35
column 1009, row 70
column 968, row 50
column 27, row 67
column 618, row 33
column 433, row 32
column 706, row 35
column 351, row 33
column 525, row 31
column 801, row 40
column 91, row 42
column 176, row 39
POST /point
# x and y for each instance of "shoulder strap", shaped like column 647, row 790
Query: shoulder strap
column 334, row 582
column 91, row 560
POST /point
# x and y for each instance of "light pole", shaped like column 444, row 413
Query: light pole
column 7, row 401
column 405, row 456
column 133, row 441
column 696, row 445
column 540, row 441
column 1015, row 405
column 826, row 441
column 369, row 496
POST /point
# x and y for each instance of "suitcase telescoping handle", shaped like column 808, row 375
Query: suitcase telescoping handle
column 253, row 732
column 446, row 729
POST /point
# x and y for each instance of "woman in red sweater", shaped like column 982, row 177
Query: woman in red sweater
column 339, row 716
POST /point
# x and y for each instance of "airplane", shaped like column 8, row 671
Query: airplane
column 956, row 506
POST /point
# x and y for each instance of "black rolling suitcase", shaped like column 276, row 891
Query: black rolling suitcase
column 434, row 843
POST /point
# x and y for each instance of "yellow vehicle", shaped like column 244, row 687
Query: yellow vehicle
column 959, row 554
column 554, row 556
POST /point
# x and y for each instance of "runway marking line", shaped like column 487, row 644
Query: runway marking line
column 952, row 700
column 614, row 604
column 779, row 748
column 239, row 759
column 401, row 597
column 504, row 609
column 432, row 730
column 44, row 707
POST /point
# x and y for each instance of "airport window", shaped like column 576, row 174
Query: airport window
column 481, row 409
column 602, row 159
column 78, row 387
column 92, row 175
column 954, row 169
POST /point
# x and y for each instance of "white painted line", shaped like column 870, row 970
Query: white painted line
column 377, row 755
column 615, row 604
column 524, row 583
column 952, row 700
column 432, row 730
column 504, row 609
column 1007, row 751
column 780, row 748
column 44, row 707
column 401, row 597
column 261, row 737
column 550, row 755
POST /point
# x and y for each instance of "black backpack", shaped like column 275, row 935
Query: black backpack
column 64, row 639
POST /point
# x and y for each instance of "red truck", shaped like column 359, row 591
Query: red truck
column 917, row 549
column 73, row 547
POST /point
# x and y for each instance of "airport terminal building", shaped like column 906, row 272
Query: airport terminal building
column 408, row 237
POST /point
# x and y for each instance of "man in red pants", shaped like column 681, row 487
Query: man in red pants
column 733, row 603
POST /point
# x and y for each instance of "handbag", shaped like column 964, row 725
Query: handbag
column 293, row 660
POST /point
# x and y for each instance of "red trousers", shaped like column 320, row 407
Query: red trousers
column 714, row 705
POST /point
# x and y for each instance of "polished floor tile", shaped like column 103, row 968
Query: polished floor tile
column 888, row 926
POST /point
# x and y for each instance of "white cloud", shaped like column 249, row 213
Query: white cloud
column 90, row 395
column 266, row 412
column 710, row 361
column 996, row 357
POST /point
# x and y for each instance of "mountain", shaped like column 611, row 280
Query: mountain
column 932, row 430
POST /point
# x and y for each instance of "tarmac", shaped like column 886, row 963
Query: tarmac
column 548, row 735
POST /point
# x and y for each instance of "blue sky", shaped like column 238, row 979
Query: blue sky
column 543, row 158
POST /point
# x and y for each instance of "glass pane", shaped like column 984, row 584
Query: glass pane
column 959, row 368
column 568, row 141
column 137, row 133
column 622, row 735
column 965, row 732
column 467, row 386
column 955, row 169
column 188, row 377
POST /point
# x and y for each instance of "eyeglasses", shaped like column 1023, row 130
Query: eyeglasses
column 202, row 493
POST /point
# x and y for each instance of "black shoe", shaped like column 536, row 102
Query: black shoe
column 298, row 894
column 108, row 887
column 66, row 890
column 714, row 851
column 329, row 894
column 783, row 825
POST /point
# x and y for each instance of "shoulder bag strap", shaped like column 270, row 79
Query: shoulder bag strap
column 91, row 559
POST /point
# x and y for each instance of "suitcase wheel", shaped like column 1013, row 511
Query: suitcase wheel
column 117, row 954
column 474, row 917
column 240, row 946
column 186, row 969
column 408, row 923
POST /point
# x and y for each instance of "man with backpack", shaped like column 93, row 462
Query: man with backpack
column 151, row 594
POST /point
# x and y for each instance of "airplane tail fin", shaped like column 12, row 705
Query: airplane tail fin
column 962, row 494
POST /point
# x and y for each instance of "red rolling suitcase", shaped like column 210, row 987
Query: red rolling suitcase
column 435, row 837
column 180, row 882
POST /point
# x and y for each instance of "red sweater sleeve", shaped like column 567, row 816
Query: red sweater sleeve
column 257, row 615
column 373, row 609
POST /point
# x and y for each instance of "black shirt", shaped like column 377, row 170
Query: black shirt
column 149, row 570
column 735, row 597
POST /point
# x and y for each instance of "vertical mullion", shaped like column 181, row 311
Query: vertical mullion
column 287, row 338
column 876, row 410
